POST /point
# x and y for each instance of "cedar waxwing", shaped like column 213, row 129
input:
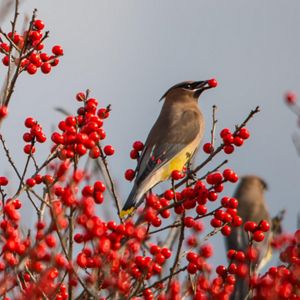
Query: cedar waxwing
column 252, row 207
column 172, row 141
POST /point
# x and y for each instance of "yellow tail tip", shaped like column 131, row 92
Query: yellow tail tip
column 126, row 212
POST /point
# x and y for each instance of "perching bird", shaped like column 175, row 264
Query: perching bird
column 172, row 141
column 252, row 207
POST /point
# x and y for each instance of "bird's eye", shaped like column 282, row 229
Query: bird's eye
column 189, row 86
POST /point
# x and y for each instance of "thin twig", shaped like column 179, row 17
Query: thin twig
column 213, row 129
column 112, row 186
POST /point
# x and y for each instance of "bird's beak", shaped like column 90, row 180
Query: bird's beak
column 204, row 85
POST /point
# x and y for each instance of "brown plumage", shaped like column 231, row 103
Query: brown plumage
column 252, row 207
column 172, row 141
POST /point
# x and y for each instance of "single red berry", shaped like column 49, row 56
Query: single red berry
column 224, row 132
column 134, row 154
column 46, row 68
column 94, row 152
column 80, row 96
column 215, row 223
column 228, row 149
column 138, row 146
column 30, row 122
column 167, row 253
column 57, row 50
column 208, row 148
column 192, row 268
column 212, row 82
column 3, row 180
column 176, row 175
column 201, row 209
column 227, row 173
column 258, row 236
column 31, row 69
column 226, row 230
column 129, row 174
column 39, row 24
column 109, row 150
column 228, row 139
column 29, row 149
column 221, row 270
column 244, row 133
column 30, row 182
column 250, row 226
column 5, row 60
column 44, row 57
column 189, row 222
column 290, row 98
column 3, row 111
column 169, row 194
column 264, row 226
column 238, row 141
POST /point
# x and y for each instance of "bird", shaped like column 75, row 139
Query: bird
column 252, row 207
column 172, row 141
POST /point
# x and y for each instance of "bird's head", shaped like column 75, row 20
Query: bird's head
column 190, row 88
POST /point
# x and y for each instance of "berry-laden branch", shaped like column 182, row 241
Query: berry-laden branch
column 76, row 250
column 23, row 52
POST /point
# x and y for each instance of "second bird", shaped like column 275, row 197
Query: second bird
column 172, row 141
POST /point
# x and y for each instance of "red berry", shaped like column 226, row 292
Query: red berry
column 134, row 154
column 228, row 149
column 29, row 149
column 109, row 150
column 212, row 82
column 46, row 68
column 94, row 152
column 129, row 174
column 3, row 111
column 192, row 256
column 208, row 148
column 258, row 236
column 228, row 139
column 138, row 146
column 3, row 180
column 5, row 60
column 31, row 69
column 30, row 182
column 215, row 223
column 226, row 230
column 290, row 98
column 57, row 50
column 250, row 226
column 176, row 175
column 169, row 194
column 244, row 133
column 189, row 222
column 39, row 24
column 238, row 141
column 192, row 268
column 201, row 209
column 221, row 270
column 224, row 132
column 80, row 96
column 264, row 226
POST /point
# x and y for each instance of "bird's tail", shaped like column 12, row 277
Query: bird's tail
column 133, row 199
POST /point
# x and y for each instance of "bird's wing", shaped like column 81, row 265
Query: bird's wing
column 169, row 142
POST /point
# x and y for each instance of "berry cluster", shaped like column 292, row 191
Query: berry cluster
column 82, row 134
column 230, row 140
column 29, row 46
column 35, row 134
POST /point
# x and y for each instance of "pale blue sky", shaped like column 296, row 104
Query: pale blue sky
column 129, row 52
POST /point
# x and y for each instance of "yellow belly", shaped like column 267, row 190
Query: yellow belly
column 177, row 163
